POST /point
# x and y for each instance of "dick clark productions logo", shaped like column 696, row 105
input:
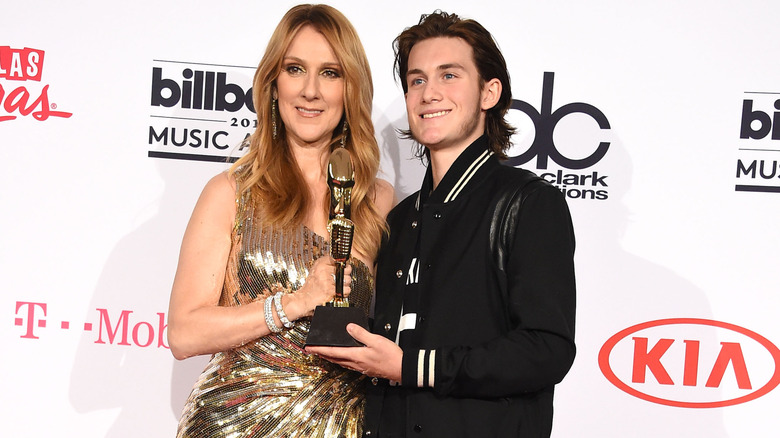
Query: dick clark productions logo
column 19, row 96
column 573, row 184
column 691, row 363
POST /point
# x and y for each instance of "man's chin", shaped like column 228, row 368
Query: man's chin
column 429, row 141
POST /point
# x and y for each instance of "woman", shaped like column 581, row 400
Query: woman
column 254, row 260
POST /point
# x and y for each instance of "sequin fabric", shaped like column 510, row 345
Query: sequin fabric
column 270, row 387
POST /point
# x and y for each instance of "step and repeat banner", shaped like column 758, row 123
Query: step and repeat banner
column 660, row 121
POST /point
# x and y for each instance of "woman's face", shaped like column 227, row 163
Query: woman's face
column 310, row 90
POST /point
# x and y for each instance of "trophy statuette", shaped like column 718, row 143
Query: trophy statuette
column 328, row 325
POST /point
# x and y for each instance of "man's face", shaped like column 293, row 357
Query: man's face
column 444, row 97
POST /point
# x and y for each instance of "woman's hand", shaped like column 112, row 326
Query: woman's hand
column 320, row 287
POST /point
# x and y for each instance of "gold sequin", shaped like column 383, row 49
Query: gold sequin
column 270, row 387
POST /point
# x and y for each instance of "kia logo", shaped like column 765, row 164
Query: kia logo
column 691, row 363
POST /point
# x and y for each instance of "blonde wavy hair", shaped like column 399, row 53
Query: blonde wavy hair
column 268, row 171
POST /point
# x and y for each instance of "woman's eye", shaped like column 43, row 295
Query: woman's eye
column 417, row 81
column 330, row 73
column 294, row 70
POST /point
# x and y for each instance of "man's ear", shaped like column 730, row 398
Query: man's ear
column 491, row 93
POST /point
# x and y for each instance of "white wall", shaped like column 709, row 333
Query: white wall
column 90, row 221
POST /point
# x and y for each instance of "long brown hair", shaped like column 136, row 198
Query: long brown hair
column 268, row 170
column 487, row 57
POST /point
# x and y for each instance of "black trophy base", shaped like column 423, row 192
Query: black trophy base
column 329, row 326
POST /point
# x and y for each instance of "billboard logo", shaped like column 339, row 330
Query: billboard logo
column 206, row 90
column 758, row 124
column 691, row 363
column 758, row 169
column 201, row 112
column 23, row 65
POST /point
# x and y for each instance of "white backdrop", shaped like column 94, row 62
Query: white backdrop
column 677, row 258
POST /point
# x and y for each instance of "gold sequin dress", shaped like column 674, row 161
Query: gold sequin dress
column 270, row 387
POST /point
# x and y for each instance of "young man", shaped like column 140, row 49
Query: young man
column 474, row 318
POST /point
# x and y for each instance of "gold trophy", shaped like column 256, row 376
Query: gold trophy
column 328, row 325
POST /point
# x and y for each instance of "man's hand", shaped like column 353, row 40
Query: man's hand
column 380, row 357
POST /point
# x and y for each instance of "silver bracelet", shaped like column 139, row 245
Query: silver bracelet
column 279, row 311
column 269, row 316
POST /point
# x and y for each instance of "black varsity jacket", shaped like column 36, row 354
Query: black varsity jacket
column 494, row 329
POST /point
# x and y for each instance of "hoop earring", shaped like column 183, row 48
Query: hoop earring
column 344, row 130
column 273, row 117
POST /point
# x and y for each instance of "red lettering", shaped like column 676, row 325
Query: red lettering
column 149, row 332
column 652, row 360
column 691, row 367
column 30, row 317
column 112, row 332
column 122, row 330
column 24, row 65
column 34, row 68
column 21, row 64
column 17, row 100
column 2, row 94
column 5, row 52
column 730, row 352
column 161, row 332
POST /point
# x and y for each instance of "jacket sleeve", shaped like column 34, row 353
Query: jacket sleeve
column 537, row 349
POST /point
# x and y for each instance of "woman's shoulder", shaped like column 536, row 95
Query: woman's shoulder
column 221, row 183
column 219, row 192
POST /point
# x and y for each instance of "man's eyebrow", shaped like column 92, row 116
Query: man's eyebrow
column 414, row 71
column 450, row 66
